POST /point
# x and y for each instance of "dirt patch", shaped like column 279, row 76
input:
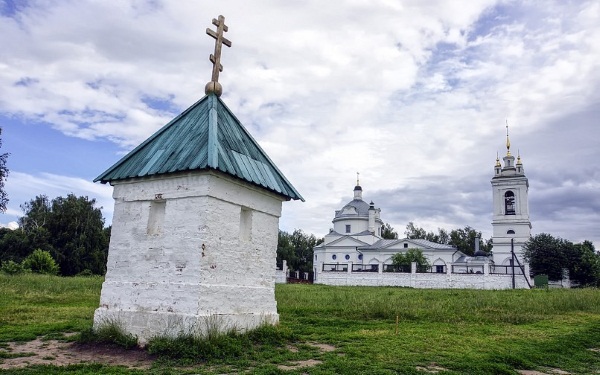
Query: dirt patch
column 60, row 353
column 551, row 371
column 300, row 364
column 432, row 368
column 323, row 348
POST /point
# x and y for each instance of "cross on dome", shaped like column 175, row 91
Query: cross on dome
column 507, row 141
column 214, row 86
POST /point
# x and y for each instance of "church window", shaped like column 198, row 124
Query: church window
column 347, row 257
column 360, row 256
column 509, row 203
column 156, row 217
column 348, row 228
column 439, row 269
column 510, row 231
column 334, row 257
column 245, row 224
column 406, row 246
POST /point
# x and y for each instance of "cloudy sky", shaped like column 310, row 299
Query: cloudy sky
column 414, row 95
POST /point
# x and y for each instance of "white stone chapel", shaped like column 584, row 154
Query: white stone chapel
column 195, row 225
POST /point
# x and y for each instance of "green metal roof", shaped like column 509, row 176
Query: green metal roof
column 205, row 136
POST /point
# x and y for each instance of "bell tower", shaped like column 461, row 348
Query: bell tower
column 511, row 207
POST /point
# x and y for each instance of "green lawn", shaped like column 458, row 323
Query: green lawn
column 456, row 331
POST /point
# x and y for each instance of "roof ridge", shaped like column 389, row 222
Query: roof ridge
column 205, row 136
column 148, row 140
column 260, row 149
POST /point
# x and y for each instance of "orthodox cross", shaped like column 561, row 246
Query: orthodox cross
column 213, row 86
column 507, row 141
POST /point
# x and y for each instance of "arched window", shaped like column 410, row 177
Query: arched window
column 510, row 231
column 509, row 203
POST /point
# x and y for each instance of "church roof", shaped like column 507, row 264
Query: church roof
column 206, row 136
column 362, row 209
column 384, row 243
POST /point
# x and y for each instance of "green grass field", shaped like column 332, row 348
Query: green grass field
column 450, row 331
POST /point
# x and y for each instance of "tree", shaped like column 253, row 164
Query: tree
column 414, row 232
column 546, row 256
column 78, row 235
column 17, row 244
column 464, row 240
column 388, row 232
column 297, row 250
column 70, row 228
column 411, row 255
column 583, row 264
column 3, row 175
column 36, row 212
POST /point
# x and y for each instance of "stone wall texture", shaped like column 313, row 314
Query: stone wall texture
column 203, row 265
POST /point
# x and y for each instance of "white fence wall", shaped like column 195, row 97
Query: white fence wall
column 445, row 280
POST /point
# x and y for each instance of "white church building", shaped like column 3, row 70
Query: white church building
column 354, row 253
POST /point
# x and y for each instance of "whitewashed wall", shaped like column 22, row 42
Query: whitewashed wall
column 423, row 280
column 201, row 268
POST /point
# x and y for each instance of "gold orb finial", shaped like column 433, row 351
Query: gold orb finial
column 498, row 160
column 213, row 88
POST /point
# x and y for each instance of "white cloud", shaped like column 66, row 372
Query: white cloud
column 403, row 92
column 11, row 225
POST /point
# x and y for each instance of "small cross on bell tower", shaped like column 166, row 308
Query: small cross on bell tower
column 214, row 86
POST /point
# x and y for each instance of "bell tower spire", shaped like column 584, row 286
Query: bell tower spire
column 511, row 223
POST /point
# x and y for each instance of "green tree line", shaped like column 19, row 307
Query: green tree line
column 296, row 249
column 551, row 256
column 70, row 228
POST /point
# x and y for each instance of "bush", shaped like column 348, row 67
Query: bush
column 40, row 261
column 12, row 268
column 85, row 273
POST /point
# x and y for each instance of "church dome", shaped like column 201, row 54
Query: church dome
column 356, row 207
